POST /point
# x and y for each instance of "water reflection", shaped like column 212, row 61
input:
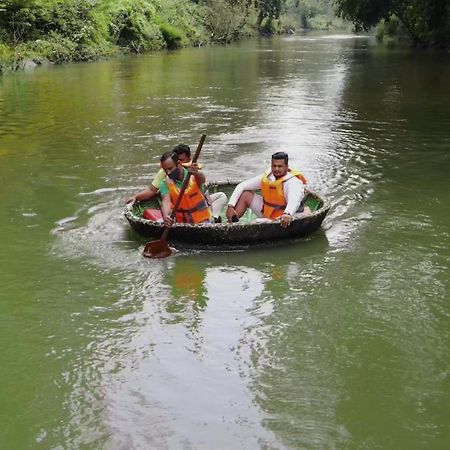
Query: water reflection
column 191, row 383
column 187, row 280
column 177, row 352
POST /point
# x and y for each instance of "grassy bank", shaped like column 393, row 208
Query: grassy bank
column 33, row 32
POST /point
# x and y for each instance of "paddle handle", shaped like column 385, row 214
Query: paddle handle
column 184, row 186
column 164, row 234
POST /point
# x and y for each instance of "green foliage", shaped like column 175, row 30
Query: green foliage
column 187, row 18
column 427, row 22
column 132, row 27
column 59, row 49
column 226, row 20
column 55, row 47
column 6, row 54
column 268, row 9
column 269, row 26
column 71, row 19
column 18, row 20
column 74, row 30
column 387, row 28
column 289, row 23
column 363, row 13
column 172, row 36
column 310, row 14
column 27, row 20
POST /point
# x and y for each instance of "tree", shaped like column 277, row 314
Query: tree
column 17, row 19
column 226, row 19
column 269, row 9
column 427, row 22
column 307, row 10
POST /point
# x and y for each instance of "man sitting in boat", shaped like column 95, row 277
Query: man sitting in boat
column 217, row 200
column 194, row 207
column 184, row 155
column 282, row 190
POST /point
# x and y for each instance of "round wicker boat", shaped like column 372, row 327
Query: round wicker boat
column 245, row 232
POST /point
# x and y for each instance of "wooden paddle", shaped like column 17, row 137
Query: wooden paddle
column 159, row 248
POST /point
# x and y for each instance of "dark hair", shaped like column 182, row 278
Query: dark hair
column 168, row 155
column 182, row 148
column 281, row 155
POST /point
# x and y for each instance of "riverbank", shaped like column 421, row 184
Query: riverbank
column 75, row 30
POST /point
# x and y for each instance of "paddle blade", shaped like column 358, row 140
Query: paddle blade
column 157, row 249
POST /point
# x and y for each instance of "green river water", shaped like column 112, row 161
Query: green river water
column 337, row 341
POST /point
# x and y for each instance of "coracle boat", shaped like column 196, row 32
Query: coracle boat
column 247, row 231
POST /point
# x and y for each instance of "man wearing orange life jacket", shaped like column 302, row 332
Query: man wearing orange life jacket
column 184, row 155
column 193, row 207
column 282, row 193
column 216, row 200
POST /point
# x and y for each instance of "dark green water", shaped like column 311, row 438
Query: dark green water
column 340, row 341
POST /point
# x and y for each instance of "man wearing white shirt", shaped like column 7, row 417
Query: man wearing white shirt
column 282, row 192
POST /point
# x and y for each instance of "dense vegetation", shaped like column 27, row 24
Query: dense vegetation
column 425, row 22
column 79, row 30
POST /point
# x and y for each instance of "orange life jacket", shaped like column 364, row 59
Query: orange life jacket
column 193, row 206
column 273, row 195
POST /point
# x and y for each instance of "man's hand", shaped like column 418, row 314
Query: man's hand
column 199, row 176
column 168, row 221
column 131, row 199
column 193, row 168
column 285, row 220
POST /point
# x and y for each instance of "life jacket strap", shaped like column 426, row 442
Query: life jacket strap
column 200, row 206
column 274, row 206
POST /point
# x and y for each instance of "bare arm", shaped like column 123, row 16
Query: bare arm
column 199, row 176
column 166, row 209
column 144, row 195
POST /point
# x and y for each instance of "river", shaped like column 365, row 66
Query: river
column 340, row 340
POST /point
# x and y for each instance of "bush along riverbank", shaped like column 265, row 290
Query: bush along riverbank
column 34, row 32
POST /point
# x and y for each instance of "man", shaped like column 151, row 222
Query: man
column 184, row 155
column 193, row 207
column 282, row 193
column 217, row 200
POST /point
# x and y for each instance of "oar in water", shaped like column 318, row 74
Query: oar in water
column 159, row 248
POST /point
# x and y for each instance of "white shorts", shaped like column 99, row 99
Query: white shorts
column 257, row 205
column 217, row 202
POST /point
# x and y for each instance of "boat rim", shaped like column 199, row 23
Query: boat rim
column 129, row 213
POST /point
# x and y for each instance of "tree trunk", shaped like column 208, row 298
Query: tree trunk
column 261, row 17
